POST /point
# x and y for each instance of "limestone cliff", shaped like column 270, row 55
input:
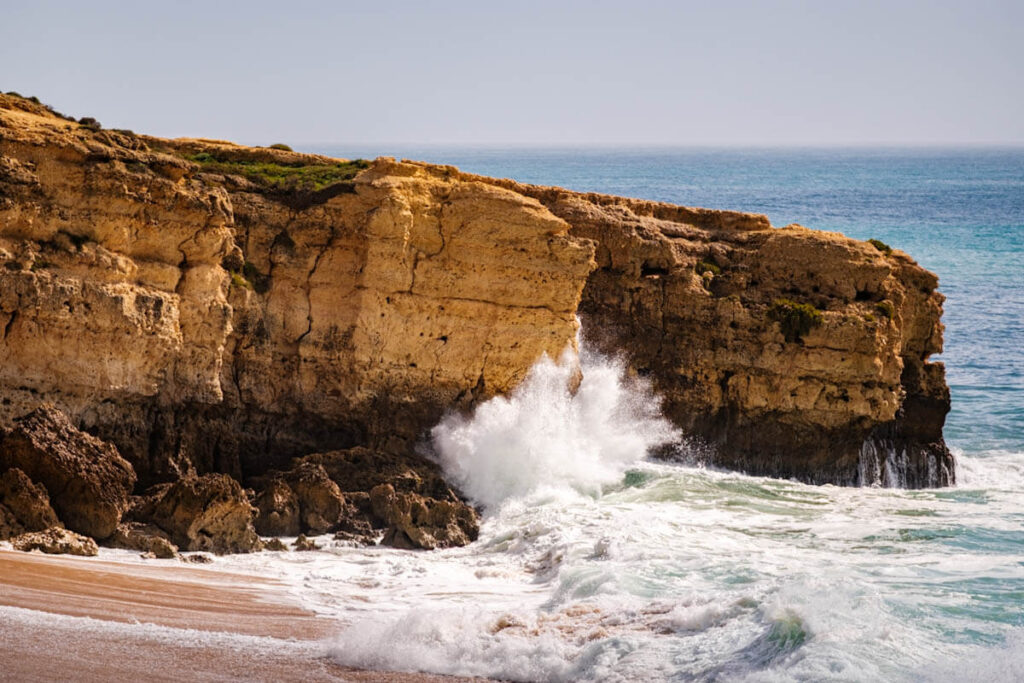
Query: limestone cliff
column 172, row 297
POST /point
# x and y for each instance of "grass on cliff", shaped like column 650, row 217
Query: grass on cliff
column 708, row 267
column 284, row 177
column 880, row 246
column 796, row 320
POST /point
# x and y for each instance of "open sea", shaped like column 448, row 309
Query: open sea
column 597, row 564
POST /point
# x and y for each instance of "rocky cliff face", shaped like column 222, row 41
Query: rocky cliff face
column 787, row 352
column 174, row 298
column 353, row 316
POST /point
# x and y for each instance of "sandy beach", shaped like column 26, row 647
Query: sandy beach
column 92, row 619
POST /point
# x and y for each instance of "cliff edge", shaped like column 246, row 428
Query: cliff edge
column 208, row 307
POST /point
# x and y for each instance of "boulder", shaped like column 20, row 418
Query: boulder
column 208, row 513
column 146, row 538
column 360, row 493
column 24, row 506
column 274, row 545
column 278, row 509
column 414, row 521
column 88, row 482
column 361, row 469
column 320, row 499
column 56, row 541
column 302, row 500
column 304, row 544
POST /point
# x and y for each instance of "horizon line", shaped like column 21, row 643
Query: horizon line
column 672, row 145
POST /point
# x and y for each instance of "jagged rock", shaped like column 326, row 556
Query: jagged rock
column 56, row 541
column 362, row 469
column 320, row 499
column 146, row 538
column 303, row 544
column 278, row 509
column 420, row 511
column 197, row 558
column 302, row 500
column 24, row 506
column 88, row 482
column 209, row 513
column 416, row 522
column 274, row 544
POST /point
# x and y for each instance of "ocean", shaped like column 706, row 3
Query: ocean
column 595, row 563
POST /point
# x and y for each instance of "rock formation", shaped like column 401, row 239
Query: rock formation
column 213, row 308
column 305, row 500
column 201, row 513
column 706, row 304
column 24, row 505
column 88, row 482
column 149, row 539
column 309, row 499
column 56, row 541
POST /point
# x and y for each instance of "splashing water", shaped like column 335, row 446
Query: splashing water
column 596, row 564
column 544, row 436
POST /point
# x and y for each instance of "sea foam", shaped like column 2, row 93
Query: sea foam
column 546, row 436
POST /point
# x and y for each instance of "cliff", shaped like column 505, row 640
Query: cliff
column 208, row 307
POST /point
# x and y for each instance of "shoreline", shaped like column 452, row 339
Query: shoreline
column 93, row 619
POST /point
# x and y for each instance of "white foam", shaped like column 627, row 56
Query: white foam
column 1000, row 470
column 543, row 436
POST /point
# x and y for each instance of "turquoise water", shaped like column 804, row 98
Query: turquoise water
column 594, row 564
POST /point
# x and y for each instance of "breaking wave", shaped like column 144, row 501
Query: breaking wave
column 544, row 435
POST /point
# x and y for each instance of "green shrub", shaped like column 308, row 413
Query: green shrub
column 708, row 267
column 880, row 246
column 282, row 177
column 90, row 123
column 795, row 320
column 281, row 146
column 886, row 309
column 238, row 281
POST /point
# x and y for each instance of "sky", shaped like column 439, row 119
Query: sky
column 530, row 73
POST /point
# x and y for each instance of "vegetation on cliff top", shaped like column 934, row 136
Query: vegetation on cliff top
column 284, row 177
column 880, row 246
column 35, row 100
column 796, row 320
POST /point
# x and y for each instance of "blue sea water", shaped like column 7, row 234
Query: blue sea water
column 596, row 564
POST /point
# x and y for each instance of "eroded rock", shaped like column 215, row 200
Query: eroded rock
column 205, row 513
column 303, row 544
column 207, row 322
column 413, row 521
column 278, row 509
column 302, row 500
column 24, row 506
column 56, row 541
column 87, row 481
column 146, row 538
column 274, row 544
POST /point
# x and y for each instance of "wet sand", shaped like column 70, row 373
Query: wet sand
column 90, row 619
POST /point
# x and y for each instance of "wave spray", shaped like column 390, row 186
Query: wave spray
column 545, row 436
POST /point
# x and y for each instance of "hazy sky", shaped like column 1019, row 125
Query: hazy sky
column 529, row 73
